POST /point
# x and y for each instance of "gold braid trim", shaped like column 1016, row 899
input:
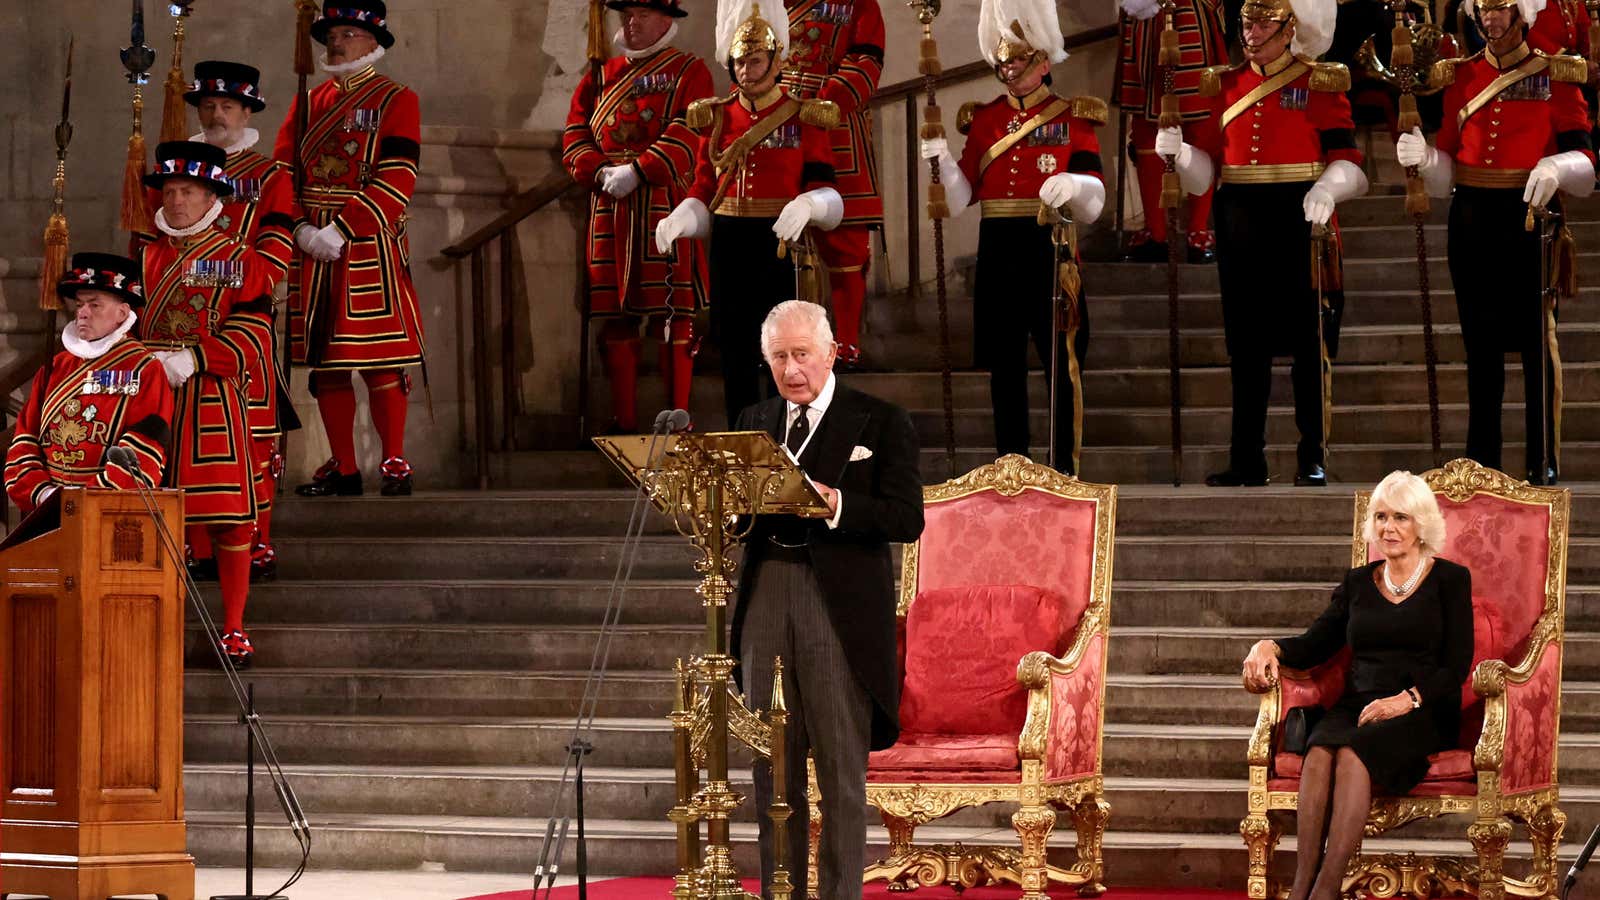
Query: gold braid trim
column 819, row 113
column 1091, row 109
column 1443, row 73
column 1211, row 80
column 1330, row 78
column 1569, row 69
column 964, row 116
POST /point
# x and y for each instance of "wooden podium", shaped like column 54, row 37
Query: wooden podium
column 91, row 701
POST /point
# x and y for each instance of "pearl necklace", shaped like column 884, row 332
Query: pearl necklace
column 1411, row 582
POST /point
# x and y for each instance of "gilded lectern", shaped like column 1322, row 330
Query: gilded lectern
column 91, row 701
column 710, row 486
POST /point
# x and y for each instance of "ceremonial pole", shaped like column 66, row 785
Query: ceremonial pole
column 174, row 120
column 55, row 230
column 938, row 210
column 597, row 82
column 137, row 59
column 305, row 14
column 1402, row 60
column 1171, row 56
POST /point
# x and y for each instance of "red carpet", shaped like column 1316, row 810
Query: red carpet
column 660, row 888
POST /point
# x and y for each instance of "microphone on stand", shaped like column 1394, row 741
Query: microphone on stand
column 1581, row 861
column 677, row 420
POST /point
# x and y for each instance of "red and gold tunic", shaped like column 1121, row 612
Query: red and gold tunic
column 209, row 294
column 1280, row 123
column 1562, row 26
column 1014, row 144
column 783, row 151
column 1501, row 116
column 638, row 121
column 78, row 410
column 1203, row 43
column 836, row 54
column 359, row 311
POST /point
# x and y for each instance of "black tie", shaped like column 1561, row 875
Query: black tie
column 798, row 431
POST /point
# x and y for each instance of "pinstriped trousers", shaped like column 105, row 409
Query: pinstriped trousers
column 830, row 716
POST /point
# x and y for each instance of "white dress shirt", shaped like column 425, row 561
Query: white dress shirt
column 814, row 413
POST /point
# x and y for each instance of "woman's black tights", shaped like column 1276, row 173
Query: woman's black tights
column 1328, row 832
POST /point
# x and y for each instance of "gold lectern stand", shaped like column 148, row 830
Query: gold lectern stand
column 710, row 486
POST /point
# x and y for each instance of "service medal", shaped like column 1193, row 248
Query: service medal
column 1046, row 163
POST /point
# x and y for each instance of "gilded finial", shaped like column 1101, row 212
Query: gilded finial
column 778, row 704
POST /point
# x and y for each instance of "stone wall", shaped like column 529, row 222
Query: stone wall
column 494, row 77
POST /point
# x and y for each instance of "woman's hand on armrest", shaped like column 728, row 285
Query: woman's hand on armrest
column 1261, row 666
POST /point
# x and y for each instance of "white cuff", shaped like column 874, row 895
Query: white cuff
column 700, row 227
column 957, row 190
column 1438, row 173
column 1195, row 170
column 1574, row 172
column 838, row 509
column 827, row 208
column 1089, row 200
column 1343, row 180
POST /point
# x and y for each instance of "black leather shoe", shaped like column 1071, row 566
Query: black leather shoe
column 1311, row 476
column 203, row 569
column 1230, row 478
column 1201, row 256
column 1549, row 479
column 332, row 485
column 396, row 477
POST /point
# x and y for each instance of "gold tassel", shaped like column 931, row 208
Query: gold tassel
column 1170, row 116
column 174, row 125
column 1171, row 191
column 599, row 48
column 938, row 207
column 928, row 64
column 55, row 260
column 1171, row 53
column 1417, row 202
column 931, row 129
column 135, row 217
column 1402, row 55
column 1408, row 117
column 1566, row 274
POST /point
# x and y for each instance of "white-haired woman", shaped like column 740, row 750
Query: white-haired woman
column 1407, row 620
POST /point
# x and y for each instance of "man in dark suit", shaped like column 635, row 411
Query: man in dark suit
column 820, row 592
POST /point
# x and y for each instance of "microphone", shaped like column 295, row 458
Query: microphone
column 1582, row 860
column 677, row 420
column 123, row 457
column 662, row 418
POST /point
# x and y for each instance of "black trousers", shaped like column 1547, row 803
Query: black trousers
column 1012, row 294
column 747, row 281
column 1269, row 309
column 1494, row 266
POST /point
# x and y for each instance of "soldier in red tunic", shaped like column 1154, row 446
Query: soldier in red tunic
column 1563, row 27
column 209, row 319
column 352, row 305
column 1138, row 92
column 763, row 181
column 836, row 54
column 627, row 142
column 1026, row 148
column 1288, row 155
column 260, row 211
column 104, row 390
column 1515, row 132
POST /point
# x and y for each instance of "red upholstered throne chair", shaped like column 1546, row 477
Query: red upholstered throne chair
column 1514, row 539
column 1004, row 613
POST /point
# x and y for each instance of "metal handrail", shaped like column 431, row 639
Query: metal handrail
column 522, row 206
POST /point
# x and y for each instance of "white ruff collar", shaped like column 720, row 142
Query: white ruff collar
column 661, row 42
column 351, row 67
column 83, row 349
column 204, row 222
column 247, row 139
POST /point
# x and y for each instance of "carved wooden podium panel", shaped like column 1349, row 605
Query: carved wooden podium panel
column 91, row 702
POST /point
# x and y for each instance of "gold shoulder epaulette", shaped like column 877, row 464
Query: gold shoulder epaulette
column 1570, row 69
column 1091, row 108
column 703, row 112
column 1211, row 80
column 1443, row 73
column 1330, row 78
column 964, row 116
column 821, row 113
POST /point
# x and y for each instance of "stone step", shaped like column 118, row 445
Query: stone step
column 1191, row 557
column 1142, row 750
column 1138, row 805
column 633, row 847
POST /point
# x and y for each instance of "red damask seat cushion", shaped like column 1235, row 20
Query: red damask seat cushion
column 947, row 757
column 1447, row 766
column 961, row 653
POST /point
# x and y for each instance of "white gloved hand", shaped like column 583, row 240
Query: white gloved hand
column 303, row 236
column 179, row 365
column 326, row 244
column 935, row 148
column 1141, row 9
column 49, row 489
column 619, row 181
column 1412, row 150
column 679, row 222
column 1169, row 142
column 1058, row 189
column 1542, row 183
column 1318, row 205
column 794, row 218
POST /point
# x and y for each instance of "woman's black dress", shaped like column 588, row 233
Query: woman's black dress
column 1424, row 641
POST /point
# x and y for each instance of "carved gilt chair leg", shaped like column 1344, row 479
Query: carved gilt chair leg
column 1545, row 829
column 1260, row 835
column 813, row 829
column 1489, row 838
column 1090, row 817
column 1033, row 825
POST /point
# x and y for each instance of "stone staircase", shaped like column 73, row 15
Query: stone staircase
column 420, row 659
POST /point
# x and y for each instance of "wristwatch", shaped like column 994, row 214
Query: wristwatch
column 1416, row 702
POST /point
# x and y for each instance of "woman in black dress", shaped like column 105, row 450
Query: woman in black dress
column 1407, row 620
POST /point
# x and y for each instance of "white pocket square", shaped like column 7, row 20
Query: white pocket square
column 860, row 453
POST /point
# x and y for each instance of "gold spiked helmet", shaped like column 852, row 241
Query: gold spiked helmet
column 1267, row 11
column 754, row 34
column 1013, row 46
